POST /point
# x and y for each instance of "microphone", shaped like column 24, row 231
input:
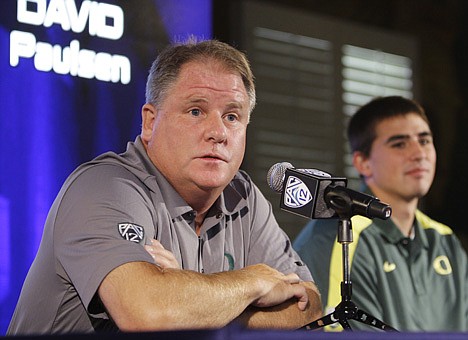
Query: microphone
column 315, row 194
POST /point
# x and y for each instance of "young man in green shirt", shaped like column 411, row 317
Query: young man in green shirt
column 409, row 271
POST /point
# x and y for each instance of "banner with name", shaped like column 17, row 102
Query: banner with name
column 72, row 83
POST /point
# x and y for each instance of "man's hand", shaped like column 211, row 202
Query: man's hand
column 285, row 302
column 278, row 288
column 162, row 257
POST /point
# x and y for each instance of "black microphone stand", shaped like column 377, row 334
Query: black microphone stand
column 346, row 309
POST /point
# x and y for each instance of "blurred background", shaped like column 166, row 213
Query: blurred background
column 72, row 79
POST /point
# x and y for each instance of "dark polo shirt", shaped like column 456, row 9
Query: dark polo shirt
column 418, row 284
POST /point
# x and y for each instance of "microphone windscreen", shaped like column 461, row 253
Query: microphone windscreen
column 275, row 176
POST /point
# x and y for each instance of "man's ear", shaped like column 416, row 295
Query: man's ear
column 148, row 118
column 362, row 164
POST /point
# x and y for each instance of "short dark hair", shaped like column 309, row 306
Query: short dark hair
column 165, row 69
column 361, row 127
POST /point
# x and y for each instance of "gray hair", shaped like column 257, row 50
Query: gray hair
column 165, row 69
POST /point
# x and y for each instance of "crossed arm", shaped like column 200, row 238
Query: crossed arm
column 141, row 296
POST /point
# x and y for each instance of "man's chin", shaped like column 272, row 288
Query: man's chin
column 212, row 183
column 419, row 193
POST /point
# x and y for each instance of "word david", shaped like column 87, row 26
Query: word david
column 103, row 20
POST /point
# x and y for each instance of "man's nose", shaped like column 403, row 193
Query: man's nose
column 215, row 129
column 418, row 151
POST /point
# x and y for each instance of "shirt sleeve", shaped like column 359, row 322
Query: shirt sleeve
column 462, row 265
column 101, row 224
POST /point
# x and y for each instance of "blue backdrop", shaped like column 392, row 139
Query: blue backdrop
column 51, row 121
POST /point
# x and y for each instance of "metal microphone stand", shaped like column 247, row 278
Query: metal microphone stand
column 346, row 309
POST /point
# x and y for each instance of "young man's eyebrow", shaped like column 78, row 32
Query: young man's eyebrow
column 425, row 134
column 406, row 136
column 396, row 138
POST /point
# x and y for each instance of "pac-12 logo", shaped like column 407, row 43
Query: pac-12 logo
column 131, row 232
column 296, row 193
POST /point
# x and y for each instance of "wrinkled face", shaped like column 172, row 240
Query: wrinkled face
column 401, row 164
column 196, row 136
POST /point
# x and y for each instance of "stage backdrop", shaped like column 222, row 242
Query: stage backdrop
column 72, row 82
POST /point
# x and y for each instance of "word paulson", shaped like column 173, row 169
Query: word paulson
column 69, row 60
column 103, row 20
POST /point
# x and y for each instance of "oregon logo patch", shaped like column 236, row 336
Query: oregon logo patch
column 131, row 232
column 230, row 260
column 442, row 265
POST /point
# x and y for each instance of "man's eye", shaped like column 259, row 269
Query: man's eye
column 195, row 112
column 231, row 117
column 425, row 141
column 399, row 145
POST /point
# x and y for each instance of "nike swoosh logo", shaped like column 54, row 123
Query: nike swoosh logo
column 389, row 267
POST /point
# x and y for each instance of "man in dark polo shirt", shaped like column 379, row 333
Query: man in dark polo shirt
column 409, row 271
column 215, row 252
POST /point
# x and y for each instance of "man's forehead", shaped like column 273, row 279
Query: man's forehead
column 210, row 67
column 404, row 126
column 205, row 75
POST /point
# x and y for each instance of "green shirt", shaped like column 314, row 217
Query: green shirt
column 418, row 284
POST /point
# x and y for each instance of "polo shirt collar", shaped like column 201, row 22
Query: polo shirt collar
column 392, row 233
column 420, row 234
